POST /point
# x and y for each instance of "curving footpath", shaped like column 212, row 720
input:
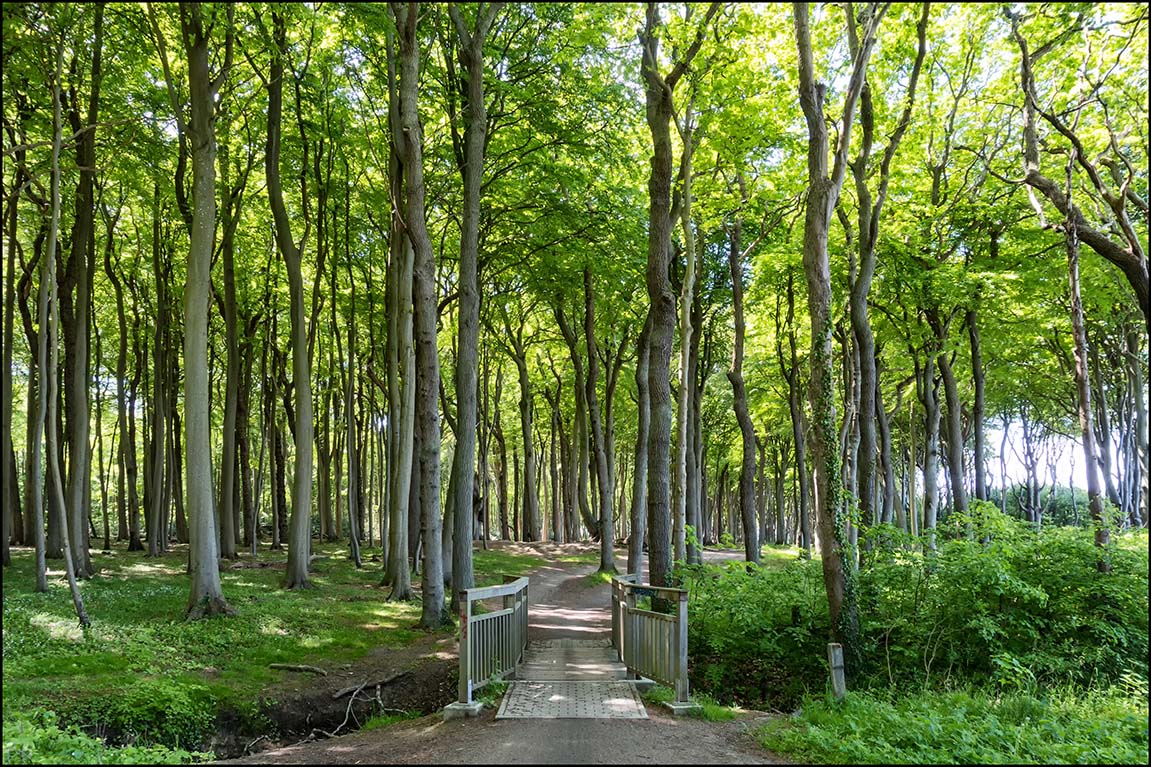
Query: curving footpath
column 564, row 606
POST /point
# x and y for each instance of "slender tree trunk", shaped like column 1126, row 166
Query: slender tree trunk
column 639, row 474
column 739, row 393
column 467, row 360
column 604, row 480
column 424, row 323
column 659, row 90
column 206, row 596
column 954, row 436
column 823, row 192
column 154, row 469
column 931, row 415
column 1083, row 385
column 48, row 339
column 299, row 541
column 978, row 408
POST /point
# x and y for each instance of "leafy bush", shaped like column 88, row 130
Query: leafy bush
column 997, row 603
column 1008, row 604
column 37, row 739
column 965, row 727
column 756, row 635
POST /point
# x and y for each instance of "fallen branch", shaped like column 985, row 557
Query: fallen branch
column 298, row 667
column 362, row 685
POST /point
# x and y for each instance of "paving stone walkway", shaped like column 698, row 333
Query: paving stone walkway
column 571, row 679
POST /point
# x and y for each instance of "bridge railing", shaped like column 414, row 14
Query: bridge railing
column 491, row 644
column 650, row 644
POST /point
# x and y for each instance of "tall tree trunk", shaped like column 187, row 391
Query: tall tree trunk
column 823, row 192
column 639, row 474
column 931, row 415
column 977, row 407
column 424, row 323
column 46, row 423
column 686, row 331
column 659, row 90
column 954, row 436
column 78, row 275
column 1083, row 384
column 206, row 596
column 299, row 541
column 401, row 361
column 604, row 479
column 467, row 359
column 739, row 393
column 154, row 469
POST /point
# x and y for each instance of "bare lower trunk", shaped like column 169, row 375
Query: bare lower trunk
column 604, row 480
column 739, row 393
column 639, row 475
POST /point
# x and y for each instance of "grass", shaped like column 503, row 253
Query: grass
column 142, row 673
column 709, row 709
column 388, row 718
column 778, row 556
column 598, row 578
column 970, row 726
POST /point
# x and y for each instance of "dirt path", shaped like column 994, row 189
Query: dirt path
column 564, row 604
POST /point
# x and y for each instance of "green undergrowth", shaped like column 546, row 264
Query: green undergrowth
column 965, row 727
column 1001, row 613
column 388, row 718
column 598, row 578
column 709, row 709
column 37, row 738
column 142, row 675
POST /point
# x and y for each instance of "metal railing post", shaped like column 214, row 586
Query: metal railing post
column 681, row 631
column 465, row 691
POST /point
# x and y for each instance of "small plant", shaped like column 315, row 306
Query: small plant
column 387, row 717
column 492, row 693
column 36, row 738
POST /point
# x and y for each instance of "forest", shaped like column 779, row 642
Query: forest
column 337, row 296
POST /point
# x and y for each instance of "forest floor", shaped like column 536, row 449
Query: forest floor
column 428, row 670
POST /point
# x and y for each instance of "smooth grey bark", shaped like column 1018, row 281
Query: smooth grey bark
column 659, row 90
column 299, row 538
column 822, row 194
column 604, row 479
column 638, row 515
column 978, row 407
column 686, row 332
column 424, row 322
column 928, row 395
column 870, row 210
column 790, row 372
column 954, row 435
column 155, row 466
column 530, row 500
column 747, row 505
column 1083, row 383
column 48, row 312
column 401, row 361
column 78, row 275
column 580, row 425
column 229, row 219
column 471, row 44
column 206, row 596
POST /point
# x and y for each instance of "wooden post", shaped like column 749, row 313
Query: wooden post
column 835, row 660
column 465, row 688
column 681, row 630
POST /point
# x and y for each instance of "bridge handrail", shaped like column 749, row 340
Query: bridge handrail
column 648, row 643
column 499, row 643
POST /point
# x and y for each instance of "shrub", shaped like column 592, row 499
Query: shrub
column 968, row 726
column 997, row 603
column 36, row 738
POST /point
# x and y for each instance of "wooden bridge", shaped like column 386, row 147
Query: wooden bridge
column 594, row 676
